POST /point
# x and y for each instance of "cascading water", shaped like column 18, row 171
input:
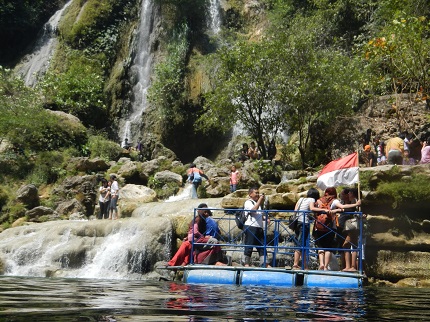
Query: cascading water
column 34, row 65
column 122, row 249
column 214, row 14
column 183, row 195
column 141, row 71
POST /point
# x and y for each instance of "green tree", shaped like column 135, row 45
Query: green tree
column 77, row 88
column 167, row 92
column 318, row 84
column 26, row 125
column 398, row 58
column 243, row 92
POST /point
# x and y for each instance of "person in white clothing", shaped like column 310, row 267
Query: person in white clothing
column 253, row 226
column 114, row 192
column 303, row 207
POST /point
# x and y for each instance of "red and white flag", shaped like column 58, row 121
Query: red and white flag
column 342, row 171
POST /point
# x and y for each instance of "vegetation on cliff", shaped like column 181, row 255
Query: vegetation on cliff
column 297, row 67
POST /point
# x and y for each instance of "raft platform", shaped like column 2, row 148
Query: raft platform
column 279, row 245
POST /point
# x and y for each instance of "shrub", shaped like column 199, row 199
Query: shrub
column 404, row 192
column 3, row 198
column 47, row 168
column 77, row 88
column 101, row 147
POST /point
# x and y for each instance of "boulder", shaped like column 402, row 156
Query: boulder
column 36, row 214
column 203, row 163
column 167, row 176
column 161, row 150
column 28, row 195
column 69, row 207
column 218, row 187
column 87, row 165
column 131, row 196
column 82, row 188
column 131, row 172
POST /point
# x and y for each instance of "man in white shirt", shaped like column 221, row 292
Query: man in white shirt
column 253, row 227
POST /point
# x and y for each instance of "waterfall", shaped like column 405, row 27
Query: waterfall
column 103, row 249
column 34, row 65
column 141, row 71
column 214, row 15
column 182, row 195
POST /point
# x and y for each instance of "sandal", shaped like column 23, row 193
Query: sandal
column 296, row 267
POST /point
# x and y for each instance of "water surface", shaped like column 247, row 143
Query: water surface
column 42, row 299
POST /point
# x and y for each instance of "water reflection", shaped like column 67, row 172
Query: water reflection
column 40, row 299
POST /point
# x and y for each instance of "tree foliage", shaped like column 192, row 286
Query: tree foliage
column 167, row 92
column 26, row 125
column 399, row 56
column 243, row 93
column 77, row 88
column 318, row 84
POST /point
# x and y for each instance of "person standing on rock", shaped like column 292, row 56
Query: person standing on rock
column 234, row 178
column 195, row 178
column 114, row 193
column 104, row 199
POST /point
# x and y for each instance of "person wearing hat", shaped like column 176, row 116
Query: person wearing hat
column 212, row 228
column 369, row 156
column 206, row 255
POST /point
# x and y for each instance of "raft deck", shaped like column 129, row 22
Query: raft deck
column 279, row 245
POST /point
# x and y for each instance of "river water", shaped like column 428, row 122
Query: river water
column 56, row 299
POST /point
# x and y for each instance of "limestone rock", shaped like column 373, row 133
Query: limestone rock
column 218, row 187
column 131, row 172
column 167, row 176
column 87, row 165
column 161, row 150
column 36, row 214
column 82, row 188
column 28, row 195
column 69, row 207
column 131, row 196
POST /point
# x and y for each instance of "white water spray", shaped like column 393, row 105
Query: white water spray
column 33, row 66
column 214, row 15
column 141, row 71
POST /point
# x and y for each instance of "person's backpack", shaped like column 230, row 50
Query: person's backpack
column 240, row 218
column 323, row 221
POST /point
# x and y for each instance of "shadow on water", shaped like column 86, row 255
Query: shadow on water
column 41, row 299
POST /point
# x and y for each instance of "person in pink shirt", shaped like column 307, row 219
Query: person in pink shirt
column 425, row 152
column 234, row 178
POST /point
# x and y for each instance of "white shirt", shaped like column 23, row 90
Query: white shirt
column 254, row 218
column 304, row 204
column 114, row 188
column 103, row 194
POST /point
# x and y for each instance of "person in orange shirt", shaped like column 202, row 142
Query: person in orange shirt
column 195, row 178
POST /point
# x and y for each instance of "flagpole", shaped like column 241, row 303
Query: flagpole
column 358, row 174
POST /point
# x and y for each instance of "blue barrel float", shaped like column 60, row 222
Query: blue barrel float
column 331, row 281
column 267, row 278
column 210, row 276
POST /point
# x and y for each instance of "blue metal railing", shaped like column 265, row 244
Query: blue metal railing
column 279, row 240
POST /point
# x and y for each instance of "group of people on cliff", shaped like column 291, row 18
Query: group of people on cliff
column 334, row 227
column 400, row 150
